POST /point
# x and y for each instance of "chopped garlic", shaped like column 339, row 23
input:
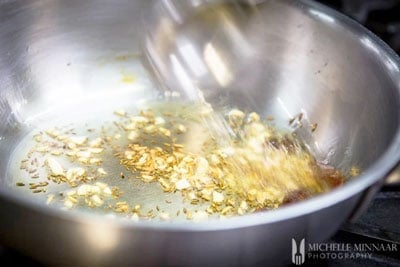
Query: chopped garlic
column 181, row 128
column 97, row 201
column 55, row 167
column 96, row 150
column 69, row 204
column 78, row 140
column 42, row 148
column 75, row 174
column 56, row 152
column 96, row 142
column 254, row 117
column 200, row 215
column 148, row 178
column 236, row 117
column 182, row 184
column 165, row 131
column 129, row 154
column 159, row 121
column 133, row 135
column 217, row 197
column 95, row 161
column 139, row 120
column 165, row 216
column 87, row 189
column 71, row 145
column 107, row 191
column 83, row 154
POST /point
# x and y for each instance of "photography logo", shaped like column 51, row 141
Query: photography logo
column 298, row 252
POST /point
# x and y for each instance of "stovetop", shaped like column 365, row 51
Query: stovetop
column 380, row 224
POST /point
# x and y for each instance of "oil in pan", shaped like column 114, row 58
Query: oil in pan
column 162, row 158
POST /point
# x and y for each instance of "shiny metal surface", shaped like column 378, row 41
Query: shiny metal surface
column 394, row 178
column 59, row 55
column 205, row 46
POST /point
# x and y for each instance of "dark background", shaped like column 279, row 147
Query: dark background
column 380, row 16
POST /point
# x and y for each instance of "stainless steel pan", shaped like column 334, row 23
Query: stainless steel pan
column 62, row 59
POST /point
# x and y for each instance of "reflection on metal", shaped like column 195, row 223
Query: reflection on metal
column 173, row 12
column 183, row 77
column 392, row 65
column 209, row 48
column 323, row 16
column 217, row 65
column 101, row 236
column 370, row 45
column 283, row 107
column 394, row 177
column 192, row 59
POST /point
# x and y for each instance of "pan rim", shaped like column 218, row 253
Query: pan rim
column 378, row 170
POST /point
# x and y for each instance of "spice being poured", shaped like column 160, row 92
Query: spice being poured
column 224, row 162
column 256, row 168
column 179, row 148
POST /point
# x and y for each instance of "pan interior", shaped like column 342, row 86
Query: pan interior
column 125, row 86
column 85, row 114
column 64, row 72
